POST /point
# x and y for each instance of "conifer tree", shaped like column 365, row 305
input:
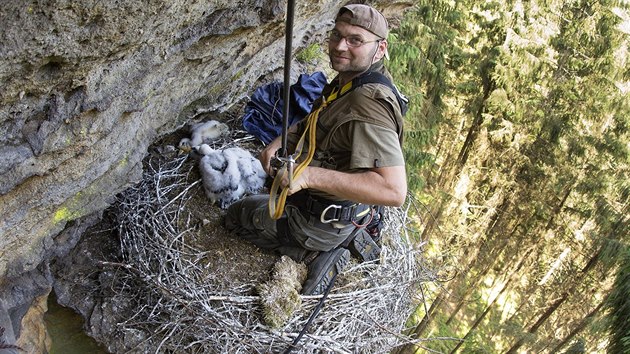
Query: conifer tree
column 529, row 151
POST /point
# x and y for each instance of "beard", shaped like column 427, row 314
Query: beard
column 344, row 62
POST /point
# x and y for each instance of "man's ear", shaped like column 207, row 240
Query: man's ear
column 382, row 50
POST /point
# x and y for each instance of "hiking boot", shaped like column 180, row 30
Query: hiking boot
column 298, row 254
column 323, row 269
column 363, row 247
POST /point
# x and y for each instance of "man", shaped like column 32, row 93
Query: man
column 357, row 165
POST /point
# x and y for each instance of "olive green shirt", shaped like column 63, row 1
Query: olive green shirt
column 361, row 129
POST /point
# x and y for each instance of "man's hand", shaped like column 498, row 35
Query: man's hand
column 268, row 153
column 298, row 183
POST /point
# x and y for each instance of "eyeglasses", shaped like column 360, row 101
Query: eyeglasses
column 352, row 41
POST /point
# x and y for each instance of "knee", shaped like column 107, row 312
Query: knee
column 232, row 216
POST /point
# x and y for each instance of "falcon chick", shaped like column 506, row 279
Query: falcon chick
column 229, row 174
column 204, row 132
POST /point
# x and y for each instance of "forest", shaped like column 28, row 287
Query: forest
column 517, row 145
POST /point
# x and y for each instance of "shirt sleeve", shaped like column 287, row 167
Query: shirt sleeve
column 374, row 146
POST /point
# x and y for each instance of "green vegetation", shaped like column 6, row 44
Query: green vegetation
column 310, row 53
column 517, row 144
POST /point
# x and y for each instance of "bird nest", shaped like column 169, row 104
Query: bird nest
column 186, row 285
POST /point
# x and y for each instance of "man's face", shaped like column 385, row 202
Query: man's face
column 345, row 58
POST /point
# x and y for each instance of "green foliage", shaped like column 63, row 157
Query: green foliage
column 619, row 307
column 310, row 53
column 519, row 132
column 420, row 49
column 576, row 348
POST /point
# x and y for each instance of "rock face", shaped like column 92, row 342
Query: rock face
column 86, row 87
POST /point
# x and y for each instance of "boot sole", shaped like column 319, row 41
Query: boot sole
column 364, row 248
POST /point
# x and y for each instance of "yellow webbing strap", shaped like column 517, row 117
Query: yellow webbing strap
column 278, row 200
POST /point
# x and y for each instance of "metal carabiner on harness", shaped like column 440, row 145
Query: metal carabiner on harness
column 278, row 162
column 322, row 217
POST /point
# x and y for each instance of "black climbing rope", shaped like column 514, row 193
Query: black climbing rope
column 284, row 153
column 287, row 74
column 314, row 314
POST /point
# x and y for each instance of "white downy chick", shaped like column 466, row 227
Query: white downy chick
column 204, row 132
column 207, row 132
column 185, row 145
column 229, row 174
column 252, row 173
column 212, row 165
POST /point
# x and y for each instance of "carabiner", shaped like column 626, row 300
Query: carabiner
column 322, row 217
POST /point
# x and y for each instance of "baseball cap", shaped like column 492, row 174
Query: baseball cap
column 365, row 16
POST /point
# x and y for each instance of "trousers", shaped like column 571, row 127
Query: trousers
column 249, row 219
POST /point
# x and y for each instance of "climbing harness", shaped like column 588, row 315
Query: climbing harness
column 329, row 211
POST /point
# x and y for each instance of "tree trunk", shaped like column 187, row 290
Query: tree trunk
column 539, row 323
column 423, row 325
column 583, row 323
column 589, row 265
column 559, row 207
column 471, row 288
column 482, row 316
column 473, row 131
column 491, row 304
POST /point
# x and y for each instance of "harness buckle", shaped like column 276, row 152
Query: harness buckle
column 322, row 217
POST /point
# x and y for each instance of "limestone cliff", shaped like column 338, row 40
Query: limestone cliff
column 86, row 87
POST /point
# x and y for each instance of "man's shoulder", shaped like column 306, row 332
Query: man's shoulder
column 378, row 84
column 374, row 98
column 375, row 90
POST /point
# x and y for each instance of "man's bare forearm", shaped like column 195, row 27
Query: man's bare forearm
column 379, row 186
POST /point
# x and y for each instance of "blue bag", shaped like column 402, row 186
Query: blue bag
column 263, row 113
